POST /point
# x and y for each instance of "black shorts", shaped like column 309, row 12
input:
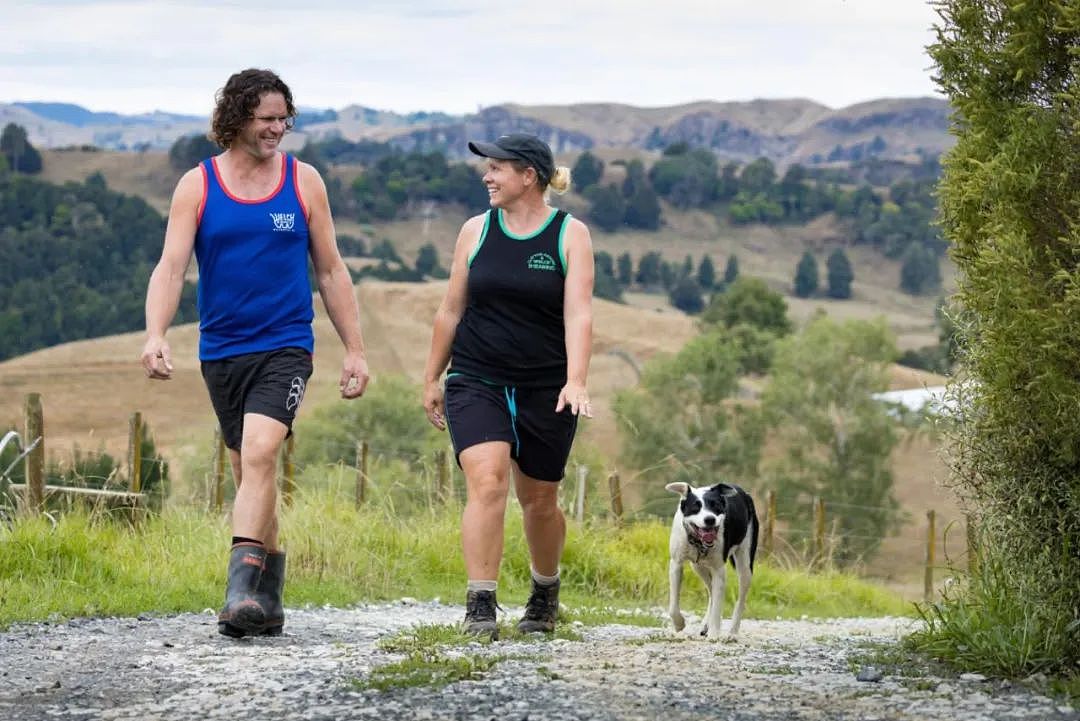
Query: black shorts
column 539, row 438
column 270, row 384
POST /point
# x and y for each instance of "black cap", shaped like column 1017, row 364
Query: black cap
column 529, row 149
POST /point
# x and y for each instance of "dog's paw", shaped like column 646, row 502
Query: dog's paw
column 705, row 630
column 731, row 638
column 678, row 621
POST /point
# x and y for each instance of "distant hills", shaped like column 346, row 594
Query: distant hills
column 785, row 131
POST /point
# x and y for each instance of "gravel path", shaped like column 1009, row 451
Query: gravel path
column 178, row 667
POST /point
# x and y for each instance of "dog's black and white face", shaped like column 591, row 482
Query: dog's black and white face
column 702, row 510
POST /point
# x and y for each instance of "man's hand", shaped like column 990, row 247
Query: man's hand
column 354, row 376
column 157, row 358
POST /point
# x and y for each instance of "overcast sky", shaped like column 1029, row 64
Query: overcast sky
column 458, row 55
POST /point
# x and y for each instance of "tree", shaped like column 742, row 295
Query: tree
column 649, row 273
column 587, row 171
column 920, row 271
column 706, row 273
column 643, row 209
column 604, row 283
column 625, row 270
column 757, row 177
column 830, row 437
column 20, row 155
column 686, row 296
column 190, row 150
column 427, row 261
column 749, row 301
column 806, row 276
column 731, row 270
column 840, row 275
column 1008, row 201
column 680, row 424
column 607, row 207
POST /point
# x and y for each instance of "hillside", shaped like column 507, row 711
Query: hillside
column 785, row 131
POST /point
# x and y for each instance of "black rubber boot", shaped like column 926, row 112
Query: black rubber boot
column 271, row 584
column 243, row 615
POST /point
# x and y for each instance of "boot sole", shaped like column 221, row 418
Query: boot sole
column 248, row 619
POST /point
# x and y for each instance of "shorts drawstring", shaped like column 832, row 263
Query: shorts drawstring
column 511, row 403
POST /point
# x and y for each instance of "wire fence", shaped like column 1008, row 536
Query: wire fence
column 397, row 475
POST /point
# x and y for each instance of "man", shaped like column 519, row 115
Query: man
column 252, row 215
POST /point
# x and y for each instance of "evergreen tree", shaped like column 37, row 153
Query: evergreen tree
column 604, row 283
column 686, row 296
column 706, row 273
column 427, row 261
column 649, row 274
column 731, row 270
column 643, row 209
column 20, row 155
column 587, row 171
column 840, row 275
column 607, row 208
column 920, row 271
column 806, row 276
column 625, row 273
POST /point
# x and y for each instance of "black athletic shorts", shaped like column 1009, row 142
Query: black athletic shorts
column 270, row 384
column 539, row 438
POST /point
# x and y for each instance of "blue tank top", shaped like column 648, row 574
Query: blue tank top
column 254, row 294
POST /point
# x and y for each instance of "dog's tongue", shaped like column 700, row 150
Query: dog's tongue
column 707, row 535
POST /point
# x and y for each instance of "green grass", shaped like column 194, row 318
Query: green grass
column 85, row 565
column 431, row 669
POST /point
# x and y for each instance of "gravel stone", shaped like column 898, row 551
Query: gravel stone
column 179, row 668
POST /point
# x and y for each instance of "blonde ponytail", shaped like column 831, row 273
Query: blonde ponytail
column 560, row 181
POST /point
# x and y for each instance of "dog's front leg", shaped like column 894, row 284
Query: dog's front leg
column 675, row 570
column 717, row 591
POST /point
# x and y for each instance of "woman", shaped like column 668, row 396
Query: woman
column 516, row 329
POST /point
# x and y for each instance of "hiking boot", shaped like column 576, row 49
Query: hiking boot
column 480, row 614
column 243, row 614
column 269, row 591
column 541, row 610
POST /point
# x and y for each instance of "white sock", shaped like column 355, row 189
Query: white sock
column 542, row 580
column 481, row 585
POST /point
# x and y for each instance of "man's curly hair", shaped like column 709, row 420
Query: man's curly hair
column 236, row 102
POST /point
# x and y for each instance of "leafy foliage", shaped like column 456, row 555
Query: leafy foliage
column 806, row 275
column 833, row 437
column 587, row 171
column 76, row 260
column 839, row 275
column 16, row 150
column 1009, row 196
column 749, row 301
column 679, row 424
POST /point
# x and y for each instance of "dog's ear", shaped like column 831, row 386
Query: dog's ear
column 681, row 488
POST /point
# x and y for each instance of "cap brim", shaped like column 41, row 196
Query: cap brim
column 491, row 150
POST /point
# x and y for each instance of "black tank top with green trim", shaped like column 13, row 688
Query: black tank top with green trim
column 512, row 330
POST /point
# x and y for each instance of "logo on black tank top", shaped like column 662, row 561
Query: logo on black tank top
column 283, row 221
column 540, row 261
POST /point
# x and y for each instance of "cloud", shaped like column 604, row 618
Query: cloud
column 455, row 55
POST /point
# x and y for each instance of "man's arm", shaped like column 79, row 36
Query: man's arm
column 335, row 283
column 167, row 280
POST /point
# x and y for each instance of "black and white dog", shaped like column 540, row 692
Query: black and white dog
column 712, row 525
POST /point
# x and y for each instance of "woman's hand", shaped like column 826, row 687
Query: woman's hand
column 574, row 395
column 433, row 404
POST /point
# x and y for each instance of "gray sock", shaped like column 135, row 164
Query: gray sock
column 481, row 585
column 542, row 580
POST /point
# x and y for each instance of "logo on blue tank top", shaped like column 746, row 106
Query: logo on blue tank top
column 283, row 221
column 540, row 261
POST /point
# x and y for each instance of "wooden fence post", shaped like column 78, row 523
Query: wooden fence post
column 928, row 575
column 819, row 531
column 135, row 435
column 35, row 460
column 288, row 471
column 579, row 508
column 770, row 521
column 217, row 492
column 616, row 496
column 361, row 472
